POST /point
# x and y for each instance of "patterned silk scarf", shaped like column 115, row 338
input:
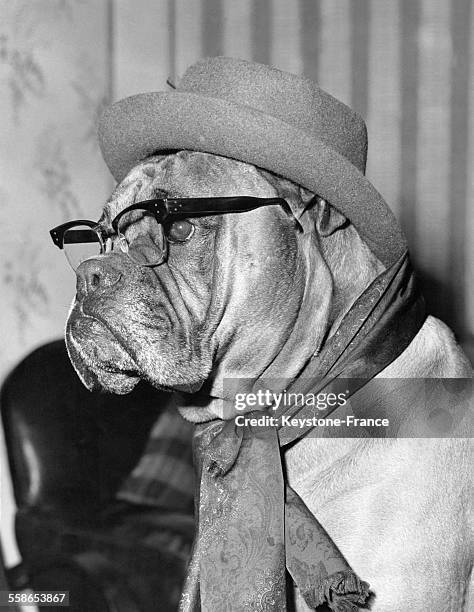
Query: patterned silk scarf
column 252, row 526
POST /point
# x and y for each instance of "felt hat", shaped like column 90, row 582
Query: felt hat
column 266, row 117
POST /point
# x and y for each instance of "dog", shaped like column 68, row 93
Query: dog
column 215, row 310
column 246, row 295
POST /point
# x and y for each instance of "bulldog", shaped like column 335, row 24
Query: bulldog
column 259, row 294
column 247, row 295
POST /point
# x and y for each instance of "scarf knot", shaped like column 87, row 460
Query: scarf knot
column 223, row 447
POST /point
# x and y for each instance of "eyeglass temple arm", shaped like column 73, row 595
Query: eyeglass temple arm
column 208, row 206
column 195, row 207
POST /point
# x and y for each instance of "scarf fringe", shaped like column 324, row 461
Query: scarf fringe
column 342, row 592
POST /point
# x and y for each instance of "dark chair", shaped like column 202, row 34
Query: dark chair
column 69, row 450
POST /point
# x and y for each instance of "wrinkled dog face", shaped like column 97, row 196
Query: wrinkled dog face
column 216, row 299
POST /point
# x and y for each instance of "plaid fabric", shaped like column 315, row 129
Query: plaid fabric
column 164, row 475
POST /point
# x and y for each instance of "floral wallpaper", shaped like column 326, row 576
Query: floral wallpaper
column 54, row 72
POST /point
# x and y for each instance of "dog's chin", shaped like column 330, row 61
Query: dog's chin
column 109, row 382
column 104, row 363
column 98, row 358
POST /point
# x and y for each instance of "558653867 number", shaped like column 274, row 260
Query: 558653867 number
column 37, row 598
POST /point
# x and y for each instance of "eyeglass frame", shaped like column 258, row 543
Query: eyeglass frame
column 164, row 209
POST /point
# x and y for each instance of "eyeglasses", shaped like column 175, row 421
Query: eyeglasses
column 144, row 230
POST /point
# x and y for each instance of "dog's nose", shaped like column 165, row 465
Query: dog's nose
column 93, row 275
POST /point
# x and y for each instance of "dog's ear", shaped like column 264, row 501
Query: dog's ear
column 310, row 210
column 327, row 219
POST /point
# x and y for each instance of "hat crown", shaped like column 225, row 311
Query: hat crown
column 296, row 100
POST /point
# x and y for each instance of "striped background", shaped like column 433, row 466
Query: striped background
column 405, row 65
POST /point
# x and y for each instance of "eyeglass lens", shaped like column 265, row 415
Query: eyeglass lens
column 80, row 243
column 144, row 237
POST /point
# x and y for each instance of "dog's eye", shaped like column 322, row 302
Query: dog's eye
column 180, row 231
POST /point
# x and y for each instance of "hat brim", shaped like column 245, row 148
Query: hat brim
column 138, row 126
